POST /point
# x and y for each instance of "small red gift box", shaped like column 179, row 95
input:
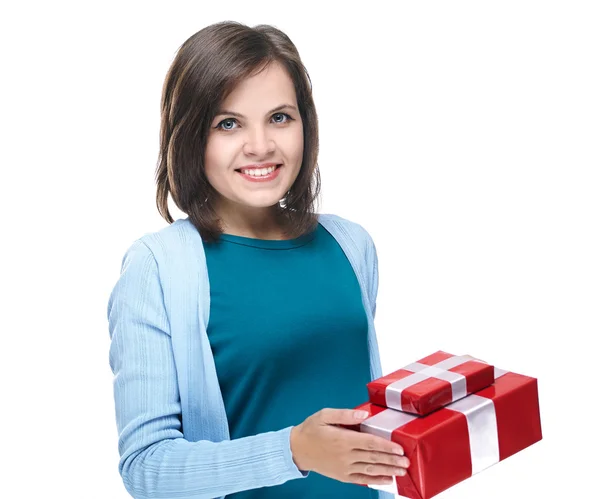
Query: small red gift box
column 461, row 439
column 431, row 383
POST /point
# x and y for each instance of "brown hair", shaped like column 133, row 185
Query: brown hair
column 207, row 67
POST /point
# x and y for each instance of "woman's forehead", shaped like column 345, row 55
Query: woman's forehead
column 266, row 90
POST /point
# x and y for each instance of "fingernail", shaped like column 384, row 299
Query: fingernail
column 360, row 414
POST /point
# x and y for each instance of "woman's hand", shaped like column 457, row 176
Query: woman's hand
column 343, row 454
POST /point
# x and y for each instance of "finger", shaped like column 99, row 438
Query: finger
column 367, row 456
column 377, row 469
column 370, row 480
column 364, row 441
column 340, row 416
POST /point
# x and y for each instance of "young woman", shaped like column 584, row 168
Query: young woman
column 242, row 334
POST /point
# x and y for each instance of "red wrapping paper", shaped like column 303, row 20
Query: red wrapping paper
column 428, row 391
column 441, row 445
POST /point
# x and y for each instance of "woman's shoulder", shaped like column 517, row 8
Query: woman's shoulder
column 169, row 241
column 349, row 227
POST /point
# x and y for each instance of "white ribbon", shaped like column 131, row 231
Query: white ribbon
column 421, row 372
column 483, row 430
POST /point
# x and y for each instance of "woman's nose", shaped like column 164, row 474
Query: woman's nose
column 259, row 143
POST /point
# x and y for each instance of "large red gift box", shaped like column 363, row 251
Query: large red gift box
column 430, row 383
column 461, row 439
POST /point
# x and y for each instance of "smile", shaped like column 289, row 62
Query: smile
column 270, row 173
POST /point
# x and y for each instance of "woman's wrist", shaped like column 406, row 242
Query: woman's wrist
column 296, row 448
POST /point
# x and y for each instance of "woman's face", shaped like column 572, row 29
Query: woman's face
column 257, row 123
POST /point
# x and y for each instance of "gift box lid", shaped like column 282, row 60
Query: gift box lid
column 431, row 383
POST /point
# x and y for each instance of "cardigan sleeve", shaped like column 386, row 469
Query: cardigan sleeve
column 156, row 461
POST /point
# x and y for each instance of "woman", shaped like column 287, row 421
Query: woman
column 242, row 334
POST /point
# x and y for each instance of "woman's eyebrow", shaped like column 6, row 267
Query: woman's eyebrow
column 238, row 115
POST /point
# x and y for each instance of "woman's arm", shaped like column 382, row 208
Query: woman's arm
column 155, row 460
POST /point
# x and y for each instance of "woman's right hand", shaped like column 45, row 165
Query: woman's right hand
column 343, row 454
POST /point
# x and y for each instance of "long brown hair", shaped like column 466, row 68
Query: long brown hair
column 206, row 68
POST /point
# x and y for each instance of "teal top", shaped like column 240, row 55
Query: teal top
column 288, row 332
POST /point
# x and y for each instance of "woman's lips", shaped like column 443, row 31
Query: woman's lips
column 261, row 178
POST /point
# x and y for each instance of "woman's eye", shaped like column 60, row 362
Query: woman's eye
column 287, row 117
column 224, row 122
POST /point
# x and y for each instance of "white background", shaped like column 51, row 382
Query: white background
column 464, row 136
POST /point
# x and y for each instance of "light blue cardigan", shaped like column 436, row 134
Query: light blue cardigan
column 173, row 434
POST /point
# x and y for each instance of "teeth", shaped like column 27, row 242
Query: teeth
column 259, row 172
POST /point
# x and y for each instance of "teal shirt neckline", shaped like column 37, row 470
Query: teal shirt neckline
column 274, row 244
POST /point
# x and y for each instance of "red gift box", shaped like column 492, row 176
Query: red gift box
column 431, row 383
column 461, row 439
